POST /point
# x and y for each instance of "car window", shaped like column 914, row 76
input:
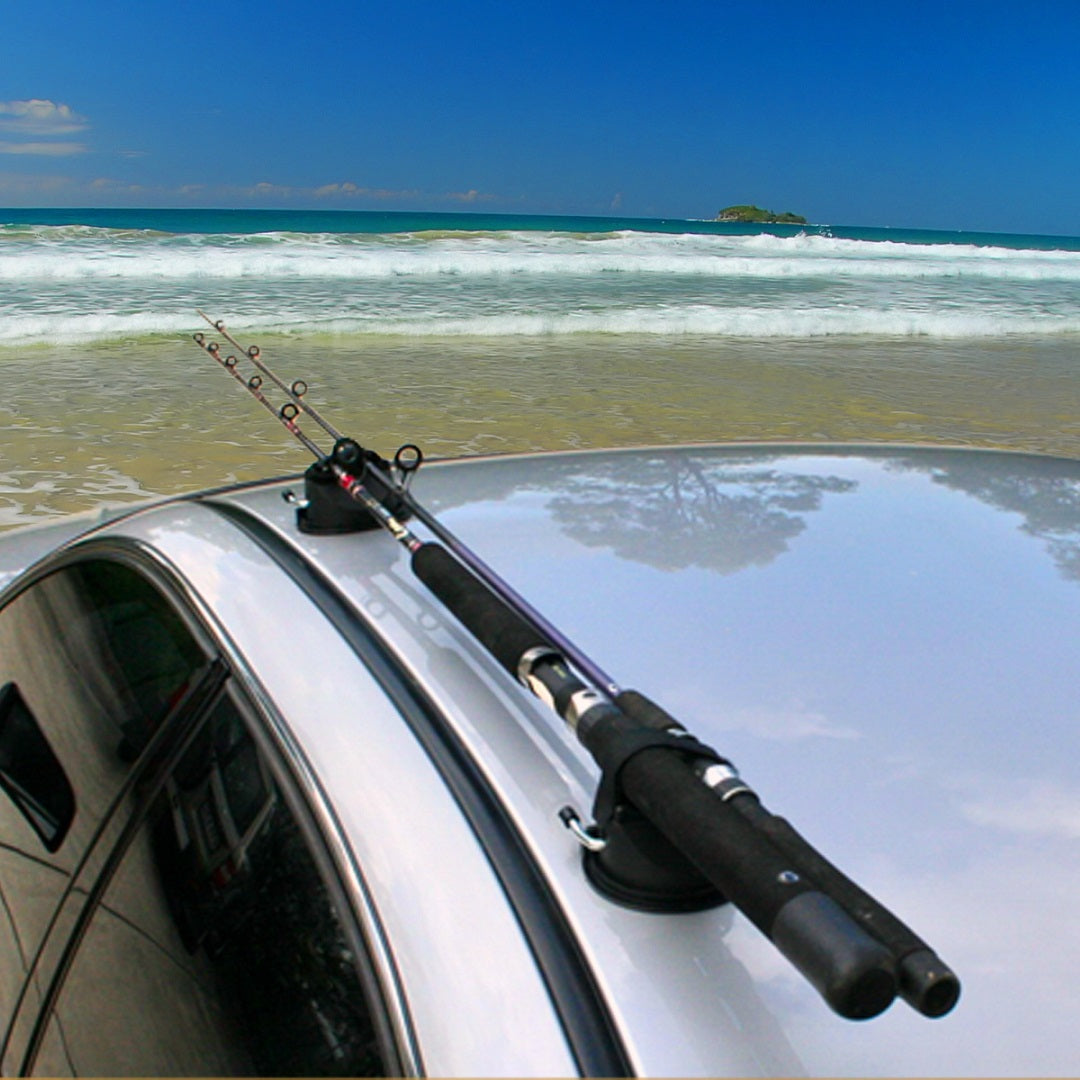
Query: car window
column 91, row 660
column 244, row 784
column 217, row 948
column 30, row 772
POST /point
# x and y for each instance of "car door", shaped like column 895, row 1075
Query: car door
column 91, row 664
column 168, row 904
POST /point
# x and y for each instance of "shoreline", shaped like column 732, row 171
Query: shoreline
column 125, row 420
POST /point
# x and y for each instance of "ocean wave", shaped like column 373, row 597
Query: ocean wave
column 54, row 234
column 705, row 321
column 77, row 329
column 690, row 320
column 82, row 283
column 315, row 267
column 79, row 253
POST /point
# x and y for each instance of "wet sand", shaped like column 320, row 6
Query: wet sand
column 113, row 422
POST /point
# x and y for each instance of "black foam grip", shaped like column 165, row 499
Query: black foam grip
column 852, row 971
column 925, row 981
column 500, row 629
column 640, row 708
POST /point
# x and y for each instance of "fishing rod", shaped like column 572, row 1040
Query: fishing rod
column 295, row 391
column 348, row 483
column 675, row 828
column 254, row 386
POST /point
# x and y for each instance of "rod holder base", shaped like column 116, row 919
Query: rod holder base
column 639, row 869
column 331, row 511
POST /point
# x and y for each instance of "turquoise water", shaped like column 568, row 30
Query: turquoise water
column 473, row 332
column 370, row 221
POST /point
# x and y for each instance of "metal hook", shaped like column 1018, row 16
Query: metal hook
column 586, row 836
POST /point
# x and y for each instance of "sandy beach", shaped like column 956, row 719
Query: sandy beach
column 114, row 422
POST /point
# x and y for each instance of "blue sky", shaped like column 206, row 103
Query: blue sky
column 945, row 114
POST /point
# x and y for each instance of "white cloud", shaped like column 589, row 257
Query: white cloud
column 42, row 149
column 105, row 184
column 110, row 190
column 789, row 724
column 348, row 189
column 17, row 187
column 264, row 188
column 40, row 117
column 35, row 118
column 1039, row 808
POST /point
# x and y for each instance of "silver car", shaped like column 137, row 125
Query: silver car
column 268, row 807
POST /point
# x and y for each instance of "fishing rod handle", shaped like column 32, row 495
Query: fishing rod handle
column 508, row 635
column 501, row 630
column 924, row 980
column 505, row 591
column 852, row 971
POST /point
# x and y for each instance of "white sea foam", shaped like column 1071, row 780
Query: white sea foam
column 72, row 329
column 86, row 256
column 695, row 320
column 716, row 322
column 73, row 283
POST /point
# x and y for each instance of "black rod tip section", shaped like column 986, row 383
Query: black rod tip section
column 852, row 971
column 927, row 983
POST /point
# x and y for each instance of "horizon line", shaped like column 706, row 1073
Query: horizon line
column 476, row 213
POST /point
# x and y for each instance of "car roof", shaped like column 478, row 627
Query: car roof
column 882, row 639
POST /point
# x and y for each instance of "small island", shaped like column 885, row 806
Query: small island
column 756, row 214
